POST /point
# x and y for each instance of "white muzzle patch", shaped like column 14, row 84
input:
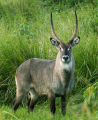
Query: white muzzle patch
column 65, row 58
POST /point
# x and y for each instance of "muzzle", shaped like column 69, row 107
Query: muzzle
column 65, row 58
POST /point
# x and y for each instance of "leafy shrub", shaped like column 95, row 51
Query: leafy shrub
column 91, row 96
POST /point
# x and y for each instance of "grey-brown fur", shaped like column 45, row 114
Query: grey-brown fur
column 47, row 77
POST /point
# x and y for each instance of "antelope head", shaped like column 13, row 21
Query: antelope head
column 65, row 48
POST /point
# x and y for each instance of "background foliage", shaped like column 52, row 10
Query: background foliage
column 25, row 32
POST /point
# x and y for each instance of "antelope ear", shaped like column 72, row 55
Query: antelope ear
column 54, row 42
column 75, row 41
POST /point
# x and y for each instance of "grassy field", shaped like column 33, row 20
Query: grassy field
column 25, row 32
column 42, row 112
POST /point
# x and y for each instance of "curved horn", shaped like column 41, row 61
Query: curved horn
column 53, row 32
column 75, row 30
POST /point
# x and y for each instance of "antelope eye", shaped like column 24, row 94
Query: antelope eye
column 61, row 49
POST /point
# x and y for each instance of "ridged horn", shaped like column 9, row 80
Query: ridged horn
column 76, row 28
column 52, row 30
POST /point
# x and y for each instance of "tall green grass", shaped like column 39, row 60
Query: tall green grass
column 42, row 112
column 25, row 32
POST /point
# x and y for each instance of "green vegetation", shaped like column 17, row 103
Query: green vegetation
column 42, row 112
column 25, row 32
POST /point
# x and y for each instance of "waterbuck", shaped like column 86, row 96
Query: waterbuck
column 52, row 78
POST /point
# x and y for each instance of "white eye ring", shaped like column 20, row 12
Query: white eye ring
column 61, row 48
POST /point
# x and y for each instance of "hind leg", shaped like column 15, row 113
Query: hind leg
column 19, row 96
column 31, row 104
column 23, row 85
column 33, row 96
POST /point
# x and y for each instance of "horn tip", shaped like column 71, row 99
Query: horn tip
column 75, row 13
column 51, row 19
column 51, row 14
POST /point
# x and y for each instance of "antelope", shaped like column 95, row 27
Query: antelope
column 52, row 78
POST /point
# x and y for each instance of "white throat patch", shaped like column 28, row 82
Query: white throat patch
column 66, row 66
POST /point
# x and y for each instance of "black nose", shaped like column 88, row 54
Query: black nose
column 66, row 57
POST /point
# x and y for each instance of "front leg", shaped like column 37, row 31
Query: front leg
column 63, row 104
column 52, row 103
